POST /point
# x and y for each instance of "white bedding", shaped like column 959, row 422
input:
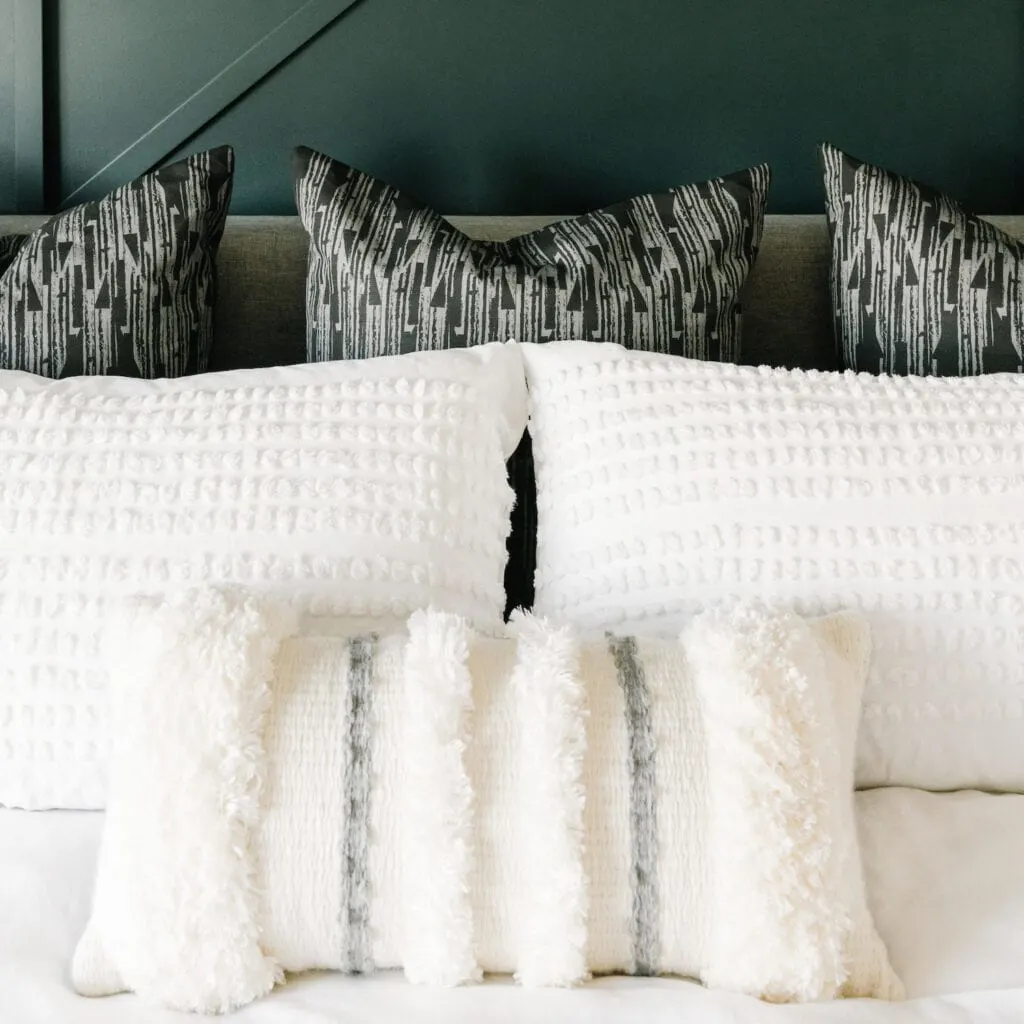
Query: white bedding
column 950, row 906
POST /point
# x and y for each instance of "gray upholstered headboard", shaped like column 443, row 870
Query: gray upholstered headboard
column 261, row 312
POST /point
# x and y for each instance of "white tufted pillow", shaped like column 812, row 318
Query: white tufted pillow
column 665, row 484
column 450, row 804
column 368, row 487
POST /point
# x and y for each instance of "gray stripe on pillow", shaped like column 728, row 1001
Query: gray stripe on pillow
column 643, row 819
column 357, row 956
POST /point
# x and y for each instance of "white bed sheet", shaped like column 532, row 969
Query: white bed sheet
column 946, row 879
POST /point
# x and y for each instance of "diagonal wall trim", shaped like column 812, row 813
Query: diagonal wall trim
column 29, row 164
column 228, row 85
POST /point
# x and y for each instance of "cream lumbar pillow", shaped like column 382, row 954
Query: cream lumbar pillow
column 362, row 488
column 448, row 803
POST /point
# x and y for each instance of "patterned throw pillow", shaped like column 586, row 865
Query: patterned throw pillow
column 919, row 285
column 9, row 246
column 658, row 272
column 124, row 285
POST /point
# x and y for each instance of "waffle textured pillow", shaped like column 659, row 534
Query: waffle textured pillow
column 450, row 804
column 919, row 285
column 357, row 489
column 666, row 484
column 661, row 272
column 124, row 285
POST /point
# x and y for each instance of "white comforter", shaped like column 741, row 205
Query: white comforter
column 945, row 876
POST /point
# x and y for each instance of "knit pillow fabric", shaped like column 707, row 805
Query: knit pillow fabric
column 366, row 488
column 450, row 804
column 665, row 485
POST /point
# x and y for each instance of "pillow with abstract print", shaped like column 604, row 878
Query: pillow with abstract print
column 660, row 272
column 9, row 246
column 919, row 285
column 124, row 285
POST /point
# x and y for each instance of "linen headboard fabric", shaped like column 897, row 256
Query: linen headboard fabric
column 260, row 317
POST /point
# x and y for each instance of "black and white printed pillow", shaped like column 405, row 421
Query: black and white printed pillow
column 124, row 285
column 919, row 285
column 659, row 272
column 9, row 246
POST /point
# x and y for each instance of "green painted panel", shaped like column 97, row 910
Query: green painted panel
column 124, row 64
column 8, row 188
column 559, row 105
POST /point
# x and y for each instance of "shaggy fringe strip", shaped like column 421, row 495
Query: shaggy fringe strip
column 552, row 950
column 779, row 926
column 437, row 804
column 190, row 687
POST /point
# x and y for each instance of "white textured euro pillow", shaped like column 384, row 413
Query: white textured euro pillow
column 369, row 487
column 666, row 484
column 452, row 804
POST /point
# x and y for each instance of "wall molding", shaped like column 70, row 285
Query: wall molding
column 29, row 154
column 210, row 100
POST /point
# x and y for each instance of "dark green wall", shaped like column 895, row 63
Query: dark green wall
column 514, row 106
column 7, row 185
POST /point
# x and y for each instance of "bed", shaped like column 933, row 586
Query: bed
column 944, row 879
column 944, row 870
